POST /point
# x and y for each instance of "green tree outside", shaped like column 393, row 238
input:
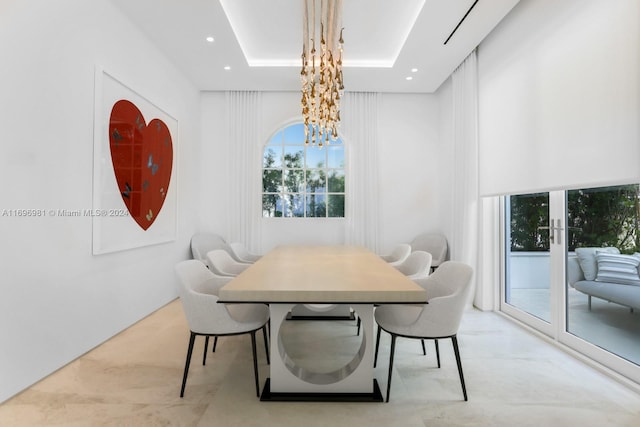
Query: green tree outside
column 606, row 216
column 291, row 189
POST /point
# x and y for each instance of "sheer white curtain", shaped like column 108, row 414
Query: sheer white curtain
column 464, row 242
column 245, row 205
column 360, row 130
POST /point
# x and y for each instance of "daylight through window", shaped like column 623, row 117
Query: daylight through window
column 299, row 180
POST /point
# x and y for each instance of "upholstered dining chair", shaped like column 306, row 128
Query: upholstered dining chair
column 198, row 288
column 398, row 254
column 221, row 263
column 243, row 254
column 434, row 243
column 201, row 243
column 416, row 265
column 447, row 290
column 205, row 242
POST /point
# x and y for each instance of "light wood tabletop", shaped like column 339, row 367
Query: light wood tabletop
column 322, row 274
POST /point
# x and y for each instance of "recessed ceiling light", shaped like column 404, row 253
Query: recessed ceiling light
column 409, row 78
column 226, row 67
column 414, row 70
column 210, row 39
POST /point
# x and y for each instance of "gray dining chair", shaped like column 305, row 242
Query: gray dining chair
column 201, row 243
column 398, row 254
column 434, row 243
column 447, row 291
column 221, row 263
column 243, row 254
column 198, row 288
column 205, row 242
column 416, row 265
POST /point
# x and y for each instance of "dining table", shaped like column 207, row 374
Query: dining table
column 320, row 277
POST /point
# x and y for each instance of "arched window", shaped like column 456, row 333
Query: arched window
column 299, row 180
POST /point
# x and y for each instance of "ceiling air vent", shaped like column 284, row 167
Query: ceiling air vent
column 461, row 21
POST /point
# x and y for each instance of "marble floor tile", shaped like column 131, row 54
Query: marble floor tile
column 513, row 379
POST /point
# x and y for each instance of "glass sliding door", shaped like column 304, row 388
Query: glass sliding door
column 603, row 291
column 527, row 248
column 572, row 270
column 532, row 258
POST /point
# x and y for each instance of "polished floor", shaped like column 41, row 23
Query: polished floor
column 610, row 326
column 513, row 378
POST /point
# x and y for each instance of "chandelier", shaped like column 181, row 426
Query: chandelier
column 321, row 74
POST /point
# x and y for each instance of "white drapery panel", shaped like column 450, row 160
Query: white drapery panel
column 464, row 242
column 245, row 203
column 360, row 131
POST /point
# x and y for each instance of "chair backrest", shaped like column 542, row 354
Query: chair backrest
column 435, row 244
column 221, row 263
column 242, row 253
column 447, row 291
column 198, row 293
column 201, row 243
column 417, row 264
column 398, row 254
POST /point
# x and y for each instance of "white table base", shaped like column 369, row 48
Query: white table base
column 354, row 381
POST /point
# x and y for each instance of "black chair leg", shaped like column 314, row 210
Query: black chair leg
column 393, row 350
column 437, row 352
column 266, row 343
column 375, row 359
column 424, row 350
column 215, row 344
column 358, row 325
column 192, row 339
column 206, row 346
column 454, row 340
column 255, row 361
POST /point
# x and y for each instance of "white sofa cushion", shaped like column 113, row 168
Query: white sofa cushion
column 587, row 260
column 617, row 268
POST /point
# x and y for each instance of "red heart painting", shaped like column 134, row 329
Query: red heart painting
column 142, row 157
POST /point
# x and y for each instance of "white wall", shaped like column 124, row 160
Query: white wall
column 57, row 300
column 410, row 164
column 560, row 96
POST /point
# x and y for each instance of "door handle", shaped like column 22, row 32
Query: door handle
column 559, row 229
column 552, row 231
